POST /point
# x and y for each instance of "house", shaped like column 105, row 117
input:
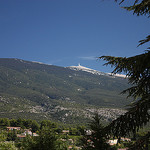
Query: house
column 65, row 131
column 35, row 134
column 13, row 128
column 27, row 132
column 126, row 139
column 112, row 142
column 70, row 141
column 70, row 147
column 21, row 136
column 88, row 132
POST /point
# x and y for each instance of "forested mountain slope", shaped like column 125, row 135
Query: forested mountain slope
column 40, row 91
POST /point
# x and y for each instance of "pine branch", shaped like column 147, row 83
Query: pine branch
column 141, row 143
column 137, row 69
column 134, row 92
column 120, row 2
column 136, row 1
column 142, row 8
column 131, row 121
column 145, row 40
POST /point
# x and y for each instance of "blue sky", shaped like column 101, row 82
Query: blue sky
column 68, row 32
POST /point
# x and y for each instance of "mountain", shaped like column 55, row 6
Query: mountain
column 67, row 94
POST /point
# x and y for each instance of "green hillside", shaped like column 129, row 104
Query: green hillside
column 40, row 91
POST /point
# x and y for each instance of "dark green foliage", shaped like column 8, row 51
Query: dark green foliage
column 13, row 123
column 41, row 83
column 139, row 7
column 47, row 139
column 3, row 135
column 144, row 41
column 97, row 139
column 81, row 129
column 48, row 123
column 142, row 143
column 137, row 68
column 23, row 123
column 7, row 146
column 4, row 122
column 28, row 143
column 34, row 126
column 12, row 136
column 74, row 131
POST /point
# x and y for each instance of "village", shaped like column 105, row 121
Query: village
column 70, row 137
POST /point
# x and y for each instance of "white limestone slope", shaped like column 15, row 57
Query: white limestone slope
column 82, row 68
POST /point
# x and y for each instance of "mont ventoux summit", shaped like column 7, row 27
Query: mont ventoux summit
column 33, row 90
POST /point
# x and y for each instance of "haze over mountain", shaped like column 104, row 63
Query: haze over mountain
column 69, row 94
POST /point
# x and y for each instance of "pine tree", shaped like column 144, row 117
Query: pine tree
column 137, row 69
column 97, row 139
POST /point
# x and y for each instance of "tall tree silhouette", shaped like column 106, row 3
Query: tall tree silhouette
column 137, row 69
column 97, row 139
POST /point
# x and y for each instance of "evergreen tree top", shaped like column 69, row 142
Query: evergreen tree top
column 137, row 69
column 139, row 7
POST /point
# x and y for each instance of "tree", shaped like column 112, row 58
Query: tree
column 4, row 122
column 7, row 146
column 3, row 136
column 35, row 126
column 97, row 139
column 48, row 123
column 47, row 140
column 137, row 69
column 28, row 143
column 12, row 136
column 13, row 123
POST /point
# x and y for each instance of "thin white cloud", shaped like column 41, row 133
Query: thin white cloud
column 88, row 58
column 53, row 62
